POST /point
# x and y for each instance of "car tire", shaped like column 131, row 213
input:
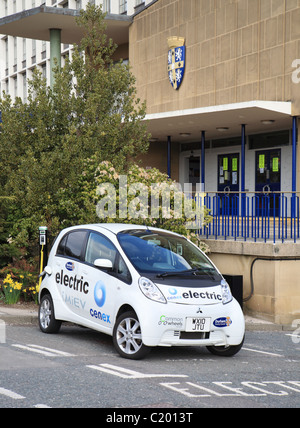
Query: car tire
column 225, row 351
column 47, row 322
column 127, row 337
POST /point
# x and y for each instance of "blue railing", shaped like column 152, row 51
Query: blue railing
column 251, row 216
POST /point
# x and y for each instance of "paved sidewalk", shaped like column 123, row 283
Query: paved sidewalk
column 23, row 316
column 19, row 316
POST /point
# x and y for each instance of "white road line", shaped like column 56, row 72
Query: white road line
column 54, row 351
column 129, row 374
column 11, row 394
column 262, row 352
column 48, row 352
column 41, row 406
column 295, row 337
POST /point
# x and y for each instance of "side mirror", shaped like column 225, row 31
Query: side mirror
column 103, row 263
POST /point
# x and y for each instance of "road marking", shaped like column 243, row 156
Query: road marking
column 2, row 332
column 262, row 352
column 48, row 352
column 129, row 374
column 11, row 394
column 242, row 389
column 41, row 406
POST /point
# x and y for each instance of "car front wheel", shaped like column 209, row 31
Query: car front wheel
column 225, row 351
column 127, row 337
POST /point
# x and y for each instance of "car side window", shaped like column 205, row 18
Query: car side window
column 123, row 271
column 71, row 244
column 99, row 247
column 61, row 246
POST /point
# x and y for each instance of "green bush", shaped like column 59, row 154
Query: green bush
column 108, row 196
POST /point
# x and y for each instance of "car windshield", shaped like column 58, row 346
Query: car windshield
column 164, row 254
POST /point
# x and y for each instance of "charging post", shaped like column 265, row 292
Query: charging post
column 42, row 249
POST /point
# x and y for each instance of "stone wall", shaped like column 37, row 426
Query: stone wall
column 276, row 279
column 237, row 50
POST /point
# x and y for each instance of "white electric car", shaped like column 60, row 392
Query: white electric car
column 144, row 286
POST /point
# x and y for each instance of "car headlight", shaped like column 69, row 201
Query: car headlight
column 226, row 293
column 150, row 290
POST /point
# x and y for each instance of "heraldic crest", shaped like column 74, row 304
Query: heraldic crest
column 176, row 60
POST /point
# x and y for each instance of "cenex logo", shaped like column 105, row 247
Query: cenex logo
column 173, row 294
column 100, row 294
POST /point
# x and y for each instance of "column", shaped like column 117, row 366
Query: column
column 294, row 156
column 243, row 198
column 169, row 157
column 203, row 160
column 55, row 51
column 294, row 166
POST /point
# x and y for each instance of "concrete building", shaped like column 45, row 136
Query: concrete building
column 19, row 55
column 222, row 83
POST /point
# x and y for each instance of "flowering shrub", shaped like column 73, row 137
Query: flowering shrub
column 142, row 196
column 17, row 287
column 11, row 290
column 32, row 293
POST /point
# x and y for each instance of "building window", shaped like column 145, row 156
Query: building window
column 24, row 49
column 44, row 70
column 123, row 6
column 269, row 140
column 6, row 53
column 15, row 87
column 106, row 6
column 15, row 51
column 24, row 87
column 33, row 56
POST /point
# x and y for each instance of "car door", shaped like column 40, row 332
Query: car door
column 73, row 286
column 106, row 284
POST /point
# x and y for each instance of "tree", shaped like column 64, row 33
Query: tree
column 92, row 110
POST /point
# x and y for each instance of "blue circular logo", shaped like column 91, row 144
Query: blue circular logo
column 173, row 291
column 100, row 294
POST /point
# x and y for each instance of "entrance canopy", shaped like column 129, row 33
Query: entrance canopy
column 220, row 121
column 35, row 24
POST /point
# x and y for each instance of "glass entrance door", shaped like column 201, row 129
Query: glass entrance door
column 228, row 183
column 268, row 179
column 228, row 173
column 194, row 172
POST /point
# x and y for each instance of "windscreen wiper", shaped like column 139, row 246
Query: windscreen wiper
column 179, row 272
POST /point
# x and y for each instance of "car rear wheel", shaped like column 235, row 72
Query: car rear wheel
column 127, row 337
column 47, row 322
column 225, row 351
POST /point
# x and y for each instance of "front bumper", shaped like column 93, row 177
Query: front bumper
column 168, row 328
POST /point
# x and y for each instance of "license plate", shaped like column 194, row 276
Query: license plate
column 197, row 324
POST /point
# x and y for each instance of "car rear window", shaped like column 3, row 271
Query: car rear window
column 71, row 244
